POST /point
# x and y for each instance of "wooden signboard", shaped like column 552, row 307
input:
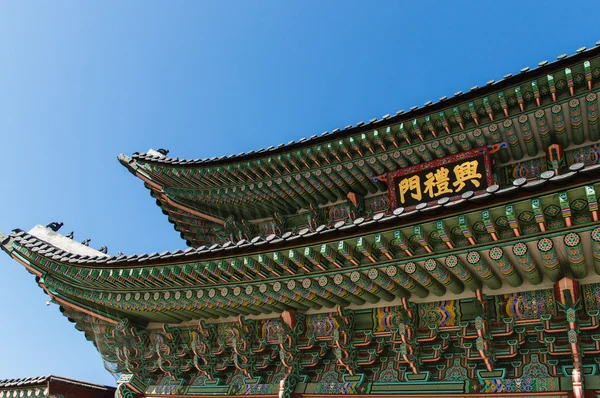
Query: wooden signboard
column 446, row 177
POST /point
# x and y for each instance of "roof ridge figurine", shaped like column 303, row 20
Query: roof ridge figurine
column 54, row 226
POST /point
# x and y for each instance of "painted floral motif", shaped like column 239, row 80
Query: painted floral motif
column 386, row 318
column 321, row 324
column 280, row 375
column 444, row 313
column 166, row 386
column 525, row 385
column 330, row 376
column 535, row 369
column 271, row 329
column 237, row 378
column 198, row 381
column 258, row 389
column 437, row 271
column 377, row 204
column 454, row 264
column 587, row 155
column 456, row 372
column 388, row 374
column 591, row 296
column 338, row 212
column 528, row 169
column 332, row 388
column 526, row 305
column 504, row 265
column 592, row 107
column 575, row 112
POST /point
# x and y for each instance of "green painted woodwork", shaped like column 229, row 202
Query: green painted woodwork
column 455, row 265
column 443, row 276
column 565, row 206
column 512, row 220
column 526, row 263
column 424, row 153
column 549, row 258
column 444, row 236
column 483, row 270
column 439, row 338
column 576, row 122
column 284, row 296
column 543, row 128
column 368, row 286
column 591, row 105
column 388, row 285
column 269, row 265
column 450, row 146
column 423, row 278
column 575, row 256
column 308, row 295
column 398, row 275
column 464, row 142
column 411, row 155
column 401, row 241
column 318, row 289
column 511, row 136
column 504, row 266
column 560, row 127
column 382, row 245
column 595, row 240
column 527, row 134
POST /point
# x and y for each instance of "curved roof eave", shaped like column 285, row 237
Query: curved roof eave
column 415, row 112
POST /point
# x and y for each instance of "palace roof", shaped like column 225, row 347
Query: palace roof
column 27, row 382
column 329, row 222
column 404, row 250
column 326, row 263
column 277, row 189
column 525, row 75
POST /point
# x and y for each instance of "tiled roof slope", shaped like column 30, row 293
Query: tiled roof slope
column 28, row 381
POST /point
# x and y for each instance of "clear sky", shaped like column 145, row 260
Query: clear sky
column 82, row 81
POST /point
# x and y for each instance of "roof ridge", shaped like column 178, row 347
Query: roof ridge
column 79, row 382
column 29, row 240
column 414, row 112
column 22, row 381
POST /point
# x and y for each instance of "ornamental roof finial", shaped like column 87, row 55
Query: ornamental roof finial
column 55, row 226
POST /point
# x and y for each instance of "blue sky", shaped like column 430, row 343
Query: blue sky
column 81, row 82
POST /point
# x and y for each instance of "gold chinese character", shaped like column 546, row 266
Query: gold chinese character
column 466, row 171
column 438, row 181
column 410, row 184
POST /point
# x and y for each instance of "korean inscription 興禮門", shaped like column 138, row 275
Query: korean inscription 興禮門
column 449, row 176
